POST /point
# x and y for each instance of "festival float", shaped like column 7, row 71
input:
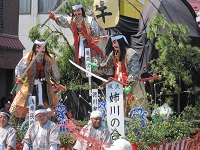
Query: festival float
column 166, row 44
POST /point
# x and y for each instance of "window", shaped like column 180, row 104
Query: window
column 46, row 6
column 25, row 6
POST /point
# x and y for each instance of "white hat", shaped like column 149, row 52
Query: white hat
column 117, row 37
column 40, row 111
column 77, row 6
column 95, row 114
column 39, row 42
column 120, row 144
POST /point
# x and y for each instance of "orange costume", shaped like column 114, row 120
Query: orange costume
column 38, row 81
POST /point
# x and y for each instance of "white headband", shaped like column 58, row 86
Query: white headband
column 39, row 42
column 96, row 114
column 5, row 114
column 40, row 111
column 77, row 6
column 119, row 37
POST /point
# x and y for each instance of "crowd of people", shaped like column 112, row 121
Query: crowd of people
column 37, row 72
column 44, row 134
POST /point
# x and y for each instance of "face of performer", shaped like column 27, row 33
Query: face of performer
column 38, row 46
column 115, row 45
column 42, row 118
column 3, row 120
column 77, row 13
column 96, row 122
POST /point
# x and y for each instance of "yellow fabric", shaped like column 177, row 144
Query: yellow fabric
column 110, row 20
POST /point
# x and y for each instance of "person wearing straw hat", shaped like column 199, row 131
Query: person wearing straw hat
column 96, row 130
column 7, row 132
column 37, row 81
column 43, row 134
column 86, row 33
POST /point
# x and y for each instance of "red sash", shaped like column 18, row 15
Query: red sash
column 88, row 38
column 123, row 69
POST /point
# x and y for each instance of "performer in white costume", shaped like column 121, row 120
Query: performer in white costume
column 7, row 133
column 95, row 129
column 42, row 135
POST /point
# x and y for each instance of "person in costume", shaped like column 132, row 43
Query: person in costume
column 43, row 134
column 126, row 63
column 39, row 78
column 7, row 132
column 86, row 33
column 96, row 130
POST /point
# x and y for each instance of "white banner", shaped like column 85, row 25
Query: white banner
column 87, row 60
column 115, row 108
column 95, row 99
column 32, row 106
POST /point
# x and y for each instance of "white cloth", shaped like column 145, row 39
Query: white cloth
column 26, row 147
column 96, row 114
column 53, row 147
column 81, row 48
column 120, row 144
column 198, row 19
column 119, row 37
column 2, row 145
column 40, row 111
column 49, row 136
column 77, row 6
column 7, row 137
column 39, row 84
column 101, row 134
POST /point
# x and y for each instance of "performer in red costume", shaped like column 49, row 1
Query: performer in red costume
column 39, row 78
column 126, row 63
column 86, row 33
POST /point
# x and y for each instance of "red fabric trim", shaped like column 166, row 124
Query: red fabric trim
column 123, row 69
column 88, row 38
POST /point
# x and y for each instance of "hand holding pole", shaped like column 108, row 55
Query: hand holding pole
column 40, row 50
column 54, row 12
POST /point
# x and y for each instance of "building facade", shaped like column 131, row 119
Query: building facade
column 11, row 49
column 34, row 12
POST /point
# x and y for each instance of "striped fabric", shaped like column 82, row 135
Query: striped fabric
column 188, row 144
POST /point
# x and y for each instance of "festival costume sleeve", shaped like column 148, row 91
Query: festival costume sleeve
column 20, row 68
column 54, row 135
column 95, row 29
column 64, row 21
column 107, row 62
column 132, row 62
column 55, row 73
column 27, row 138
column 53, row 147
column 106, row 139
column 26, row 147
column 79, row 145
column 11, row 138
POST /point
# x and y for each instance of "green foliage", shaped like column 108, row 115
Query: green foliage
column 34, row 33
column 82, row 123
column 66, row 139
column 177, row 62
column 177, row 58
column 87, row 5
column 172, row 130
column 191, row 113
column 14, row 122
